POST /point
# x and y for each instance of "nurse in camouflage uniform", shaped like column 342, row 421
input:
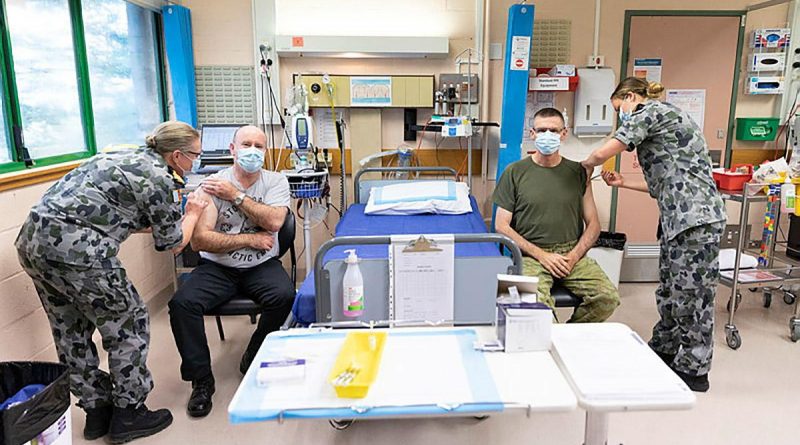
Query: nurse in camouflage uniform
column 69, row 244
column 677, row 167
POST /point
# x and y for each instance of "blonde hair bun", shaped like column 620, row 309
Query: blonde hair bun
column 654, row 90
column 170, row 136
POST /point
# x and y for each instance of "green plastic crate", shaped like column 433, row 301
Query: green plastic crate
column 756, row 128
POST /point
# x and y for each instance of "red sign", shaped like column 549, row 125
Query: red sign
column 297, row 41
column 518, row 63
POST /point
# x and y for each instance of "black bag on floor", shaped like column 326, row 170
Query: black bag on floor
column 612, row 240
column 22, row 422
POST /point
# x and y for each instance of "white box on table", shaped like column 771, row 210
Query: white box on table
column 524, row 326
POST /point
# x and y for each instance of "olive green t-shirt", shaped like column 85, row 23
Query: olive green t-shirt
column 547, row 202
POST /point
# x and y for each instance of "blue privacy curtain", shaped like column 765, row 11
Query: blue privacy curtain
column 178, row 42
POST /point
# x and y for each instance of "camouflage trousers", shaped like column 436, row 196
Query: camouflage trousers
column 79, row 300
column 689, row 272
column 587, row 281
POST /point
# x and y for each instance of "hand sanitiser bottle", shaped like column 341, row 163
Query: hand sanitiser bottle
column 353, row 287
column 788, row 196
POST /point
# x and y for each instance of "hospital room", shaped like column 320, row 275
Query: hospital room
column 399, row 222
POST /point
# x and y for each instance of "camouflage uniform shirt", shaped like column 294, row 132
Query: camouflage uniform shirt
column 676, row 164
column 83, row 218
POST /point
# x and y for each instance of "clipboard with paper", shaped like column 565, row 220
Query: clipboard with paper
column 422, row 277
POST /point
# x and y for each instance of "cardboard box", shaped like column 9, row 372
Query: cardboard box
column 523, row 327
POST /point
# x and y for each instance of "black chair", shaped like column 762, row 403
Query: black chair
column 240, row 305
column 561, row 296
column 564, row 298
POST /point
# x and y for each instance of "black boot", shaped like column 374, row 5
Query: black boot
column 98, row 420
column 667, row 358
column 200, row 400
column 697, row 383
column 131, row 423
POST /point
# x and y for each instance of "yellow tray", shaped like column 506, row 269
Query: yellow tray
column 359, row 358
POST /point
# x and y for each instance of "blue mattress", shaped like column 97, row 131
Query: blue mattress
column 356, row 223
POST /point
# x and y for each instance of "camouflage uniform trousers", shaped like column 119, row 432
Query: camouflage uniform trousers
column 689, row 273
column 79, row 300
column 587, row 281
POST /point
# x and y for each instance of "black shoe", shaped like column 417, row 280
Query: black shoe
column 697, row 383
column 247, row 360
column 200, row 401
column 131, row 423
column 98, row 420
column 667, row 358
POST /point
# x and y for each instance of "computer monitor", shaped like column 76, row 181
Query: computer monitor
column 216, row 139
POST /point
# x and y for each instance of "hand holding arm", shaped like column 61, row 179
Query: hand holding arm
column 209, row 240
column 615, row 179
column 265, row 216
column 195, row 206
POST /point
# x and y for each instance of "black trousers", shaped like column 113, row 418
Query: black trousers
column 211, row 285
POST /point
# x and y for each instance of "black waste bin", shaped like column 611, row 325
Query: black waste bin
column 612, row 240
column 23, row 422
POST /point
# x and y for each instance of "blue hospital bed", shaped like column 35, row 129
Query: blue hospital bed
column 355, row 223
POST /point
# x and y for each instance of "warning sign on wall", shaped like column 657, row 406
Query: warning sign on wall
column 520, row 53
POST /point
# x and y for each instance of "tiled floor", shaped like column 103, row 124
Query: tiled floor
column 754, row 395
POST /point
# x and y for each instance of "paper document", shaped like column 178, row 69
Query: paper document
column 649, row 69
column 422, row 279
column 325, row 128
column 693, row 102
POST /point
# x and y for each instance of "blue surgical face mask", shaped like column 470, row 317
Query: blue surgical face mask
column 250, row 159
column 547, row 143
column 624, row 116
column 196, row 164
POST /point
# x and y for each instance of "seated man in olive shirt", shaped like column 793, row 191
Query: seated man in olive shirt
column 545, row 204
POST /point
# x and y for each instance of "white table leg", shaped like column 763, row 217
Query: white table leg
column 596, row 428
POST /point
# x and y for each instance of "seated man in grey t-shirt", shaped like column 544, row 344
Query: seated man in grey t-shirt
column 237, row 240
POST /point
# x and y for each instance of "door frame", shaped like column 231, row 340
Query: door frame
column 734, row 88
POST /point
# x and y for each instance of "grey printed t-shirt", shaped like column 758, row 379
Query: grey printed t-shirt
column 271, row 189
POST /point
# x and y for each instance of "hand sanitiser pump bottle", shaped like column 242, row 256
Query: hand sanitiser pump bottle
column 353, row 287
column 788, row 196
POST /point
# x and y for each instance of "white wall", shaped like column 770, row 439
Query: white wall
column 24, row 329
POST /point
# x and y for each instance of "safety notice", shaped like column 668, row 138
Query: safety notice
column 520, row 53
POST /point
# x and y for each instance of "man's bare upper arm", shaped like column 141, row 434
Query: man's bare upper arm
column 589, row 206
column 208, row 219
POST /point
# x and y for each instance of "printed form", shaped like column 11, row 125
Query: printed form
column 423, row 277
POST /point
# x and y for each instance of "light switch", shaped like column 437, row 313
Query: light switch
column 495, row 51
column 720, row 134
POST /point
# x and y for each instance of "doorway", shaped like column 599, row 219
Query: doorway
column 695, row 55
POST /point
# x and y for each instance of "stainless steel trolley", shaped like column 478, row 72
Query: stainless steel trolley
column 785, row 269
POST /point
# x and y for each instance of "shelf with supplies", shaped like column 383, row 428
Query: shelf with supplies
column 775, row 268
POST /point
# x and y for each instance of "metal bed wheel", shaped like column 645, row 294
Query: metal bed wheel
column 738, row 300
column 341, row 424
column 733, row 338
column 767, row 298
column 789, row 298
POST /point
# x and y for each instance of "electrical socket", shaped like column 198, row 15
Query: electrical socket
column 326, row 159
